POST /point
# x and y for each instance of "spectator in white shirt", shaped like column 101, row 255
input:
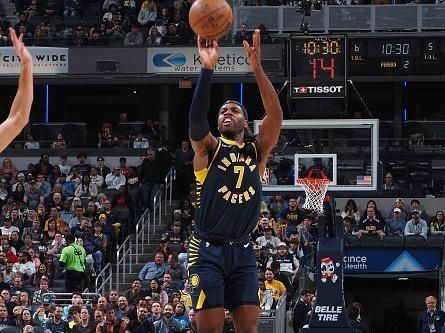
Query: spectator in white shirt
column 25, row 266
column 95, row 178
column 115, row 179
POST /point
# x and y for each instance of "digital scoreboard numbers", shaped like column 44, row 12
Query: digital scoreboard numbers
column 317, row 66
column 396, row 56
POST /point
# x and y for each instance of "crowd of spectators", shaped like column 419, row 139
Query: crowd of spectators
column 402, row 220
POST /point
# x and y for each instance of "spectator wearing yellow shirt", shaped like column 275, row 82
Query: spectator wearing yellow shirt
column 277, row 287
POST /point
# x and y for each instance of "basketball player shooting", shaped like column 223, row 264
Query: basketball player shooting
column 21, row 106
column 222, row 267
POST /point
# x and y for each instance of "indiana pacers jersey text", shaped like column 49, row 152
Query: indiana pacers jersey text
column 229, row 191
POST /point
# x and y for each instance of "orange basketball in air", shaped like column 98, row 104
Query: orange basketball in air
column 211, row 18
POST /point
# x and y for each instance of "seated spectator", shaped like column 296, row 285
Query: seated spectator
column 8, row 228
column 112, row 10
column 142, row 323
column 30, row 142
column 130, row 8
column 43, row 185
column 165, row 17
column 154, row 38
column 395, row 225
column 74, row 177
column 167, row 322
column 147, row 15
column 176, row 236
column 153, row 269
column 164, row 248
column 288, row 263
column 416, row 226
column 351, row 210
column 140, row 142
column 437, row 226
column 182, row 317
column 162, row 29
column 172, row 37
column 5, row 319
column 106, row 137
column 268, row 241
column 68, row 187
column 115, row 179
column 388, row 183
column 242, row 35
column 400, row 204
column 57, row 324
column 115, row 32
column 276, row 287
column 371, row 226
column 86, row 190
column 177, row 272
column 134, row 37
column 8, row 170
column 42, row 271
column 37, row 298
column 415, row 205
column 154, row 289
column 47, row 27
column 96, row 38
column 32, row 9
column 265, row 35
column 25, row 266
column 40, row 38
column 59, row 143
column 79, row 38
column 136, row 292
column 96, row 179
column 377, row 214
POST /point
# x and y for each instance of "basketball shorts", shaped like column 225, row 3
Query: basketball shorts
column 222, row 275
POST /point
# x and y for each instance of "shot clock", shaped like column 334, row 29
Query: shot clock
column 317, row 66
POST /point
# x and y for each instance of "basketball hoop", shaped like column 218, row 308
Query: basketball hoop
column 315, row 189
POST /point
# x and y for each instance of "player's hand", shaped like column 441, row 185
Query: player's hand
column 20, row 49
column 253, row 52
column 208, row 52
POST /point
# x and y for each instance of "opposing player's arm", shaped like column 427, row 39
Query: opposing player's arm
column 271, row 124
column 203, row 142
column 21, row 106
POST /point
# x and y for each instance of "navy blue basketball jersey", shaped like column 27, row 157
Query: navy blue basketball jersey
column 229, row 191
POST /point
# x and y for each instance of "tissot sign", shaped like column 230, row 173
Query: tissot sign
column 232, row 60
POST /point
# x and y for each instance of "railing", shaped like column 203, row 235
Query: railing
column 65, row 298
column 104, row 280
column 274, row 321
column 142, row 234
column 343, row 18
column 168, row 190
column 157, row 210
column 124, row 260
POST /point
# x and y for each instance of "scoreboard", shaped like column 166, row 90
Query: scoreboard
column 320, row 65
column 317, row 66
column 392, row 55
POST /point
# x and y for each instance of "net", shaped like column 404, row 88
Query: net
column 315, row 189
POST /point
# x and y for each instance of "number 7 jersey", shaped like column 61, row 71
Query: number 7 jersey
column 229, row 191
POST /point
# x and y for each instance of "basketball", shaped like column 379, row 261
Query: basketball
column 210, row 18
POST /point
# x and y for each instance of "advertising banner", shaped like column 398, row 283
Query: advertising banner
column 186, row 60
column 46, row 60
column 391, row 260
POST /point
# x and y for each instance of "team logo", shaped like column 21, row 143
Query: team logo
column 193, row 281
column 328, row 267
column 169, row 59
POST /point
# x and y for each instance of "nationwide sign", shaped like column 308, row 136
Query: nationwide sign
column 46, row 61
column 232, row 60
column 391, row 260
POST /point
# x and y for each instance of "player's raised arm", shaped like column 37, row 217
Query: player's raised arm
column 271, row 125
column 203, row 142
column 21, row 106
